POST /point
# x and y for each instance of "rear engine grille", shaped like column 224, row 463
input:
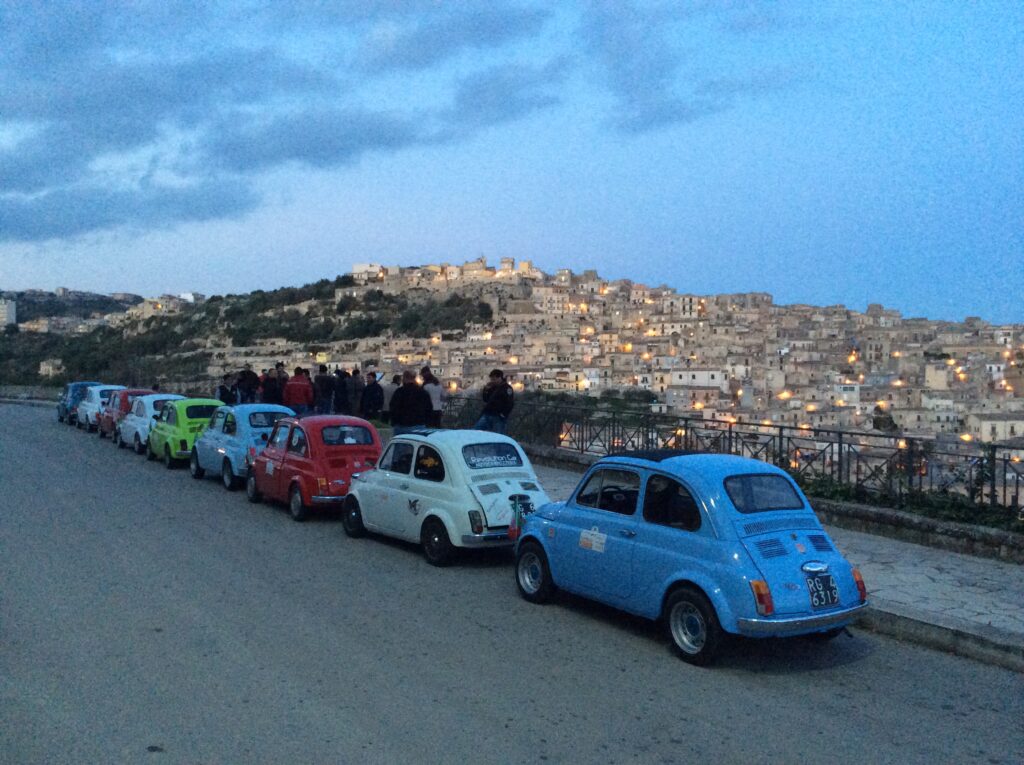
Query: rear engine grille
column 528, row 486
column 820, row 542
column 771, row 548
column 778, row 524
column 490, row 488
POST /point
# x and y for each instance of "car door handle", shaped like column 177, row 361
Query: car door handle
column 627, row 532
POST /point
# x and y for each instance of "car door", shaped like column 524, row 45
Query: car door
column 298, row 466
column 426, row 490
column 208, row 442
column 390, row 483
column 269, row 463
column 602, row 526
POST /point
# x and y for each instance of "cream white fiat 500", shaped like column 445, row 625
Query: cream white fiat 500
column 444, row 489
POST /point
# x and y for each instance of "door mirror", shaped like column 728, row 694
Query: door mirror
column 156, row 416
column 264, row 437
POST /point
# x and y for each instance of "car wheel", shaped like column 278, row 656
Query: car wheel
column 227, row 476
column 352, row 518
column 78, row 423
column 251, row 490
column 138, row 445
column 533, row 576
column 150, row 454
column 824, row 637
column 194, row 468
column 118, row 441
column 60, row 417
column 99, row 432
column 693, row 626
column 295, row 506
column 168, row 459
column 437, row 547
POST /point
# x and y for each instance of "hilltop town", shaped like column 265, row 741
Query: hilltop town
column 737, row 357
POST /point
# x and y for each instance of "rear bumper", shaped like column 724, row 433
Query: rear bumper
column 328, row 499
column 487, row 539
column 799, row 624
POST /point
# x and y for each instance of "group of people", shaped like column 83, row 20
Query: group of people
column 404, row 402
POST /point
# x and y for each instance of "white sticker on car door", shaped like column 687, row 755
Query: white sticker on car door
column 592, row 539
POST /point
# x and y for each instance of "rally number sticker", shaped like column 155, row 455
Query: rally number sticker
column 592, row 539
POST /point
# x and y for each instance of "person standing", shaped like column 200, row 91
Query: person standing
column 410, row 405
column 248, row 382
column 298, row 393
column 355, row 394
column 372, row 399
column 433, row 387
column 323, row 387
column 341, row 385
column 273, row 386
column 498, row 402
column 389, row 391
column 227, row 392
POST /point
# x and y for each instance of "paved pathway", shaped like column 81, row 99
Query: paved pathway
column 941, row 598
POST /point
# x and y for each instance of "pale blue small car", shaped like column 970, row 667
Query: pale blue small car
column 711, row 544
column 230, row 443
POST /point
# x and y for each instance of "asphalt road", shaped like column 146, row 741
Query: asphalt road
column 146, row 617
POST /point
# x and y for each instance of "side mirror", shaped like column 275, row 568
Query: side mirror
column 156, row 416
column 264, row 437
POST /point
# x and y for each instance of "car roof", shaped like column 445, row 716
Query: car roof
column 107, row 386
column 318, row 422
column 160, row 397
column 456, row 438
column 243, row 409
column 197, row 402
column 707, row 464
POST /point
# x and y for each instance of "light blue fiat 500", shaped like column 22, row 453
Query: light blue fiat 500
column 230, row 443
column 711, row 544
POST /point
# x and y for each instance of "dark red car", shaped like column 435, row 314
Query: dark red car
column 111, row 415
column 308, row 462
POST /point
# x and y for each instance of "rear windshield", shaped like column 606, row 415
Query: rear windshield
column 346, row 435
column 758, row 493
column 106, row 393
column 200, row 411
column 494, row 455
column 159, row 404
column 265, row 419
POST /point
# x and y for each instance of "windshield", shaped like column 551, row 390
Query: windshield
column 760, row 493
column 346, row 435
column 492, row 455
column 265, row 419
column 200, row 411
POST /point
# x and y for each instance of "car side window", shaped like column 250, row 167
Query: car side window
column 171, row 415
column 140, row 409
column 398, row 458
column 613, row 490
column 429, row 466
column 297, row 443
column 216, row 420
column 668, row 503
column 230, row 425
column 279, row 437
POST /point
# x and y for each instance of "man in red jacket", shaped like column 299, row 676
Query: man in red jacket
column 298, row 392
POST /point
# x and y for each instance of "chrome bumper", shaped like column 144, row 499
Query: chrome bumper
column 798, row 624
column 328, row 499
column 487, row 539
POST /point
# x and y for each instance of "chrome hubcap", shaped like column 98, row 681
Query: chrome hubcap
column 688, row 628
column 530, row 574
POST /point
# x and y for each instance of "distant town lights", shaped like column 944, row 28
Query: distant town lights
column 966, row 437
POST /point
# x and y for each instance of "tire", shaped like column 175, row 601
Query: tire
column 533, row 575
column 118, row 441
column 168, row 459
column 352, row 518
column 60, row 417
column 194, row 468
column 298, row 511
column 150, row 454
column 100, row 433
column 138, row 446
column 693, row 626
column 252, row 493
column 437, row 547
column 227, row 476
column 78, row 423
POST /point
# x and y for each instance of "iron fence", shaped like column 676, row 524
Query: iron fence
column 888, row 469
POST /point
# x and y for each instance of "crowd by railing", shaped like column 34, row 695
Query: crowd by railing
column 888, row 469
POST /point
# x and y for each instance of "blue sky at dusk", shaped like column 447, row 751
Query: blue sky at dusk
column 826, row 152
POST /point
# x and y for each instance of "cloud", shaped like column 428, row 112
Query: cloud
column 504, row 93
column 434, row 37
column 70, row 212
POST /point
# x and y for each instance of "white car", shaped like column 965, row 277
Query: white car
column 96, row 397
column 444, row 489
column 134, row 429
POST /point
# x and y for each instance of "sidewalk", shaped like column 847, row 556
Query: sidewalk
column 958, row 603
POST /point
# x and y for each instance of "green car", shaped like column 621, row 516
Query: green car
column 176, row 428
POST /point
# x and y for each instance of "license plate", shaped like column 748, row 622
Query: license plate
column 823, row 590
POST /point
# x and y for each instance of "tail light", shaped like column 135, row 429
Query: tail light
column 322, row 485
column 861, row 589
column 762, row 597
column 250, row 457
column 476, row 521
column 513, row 527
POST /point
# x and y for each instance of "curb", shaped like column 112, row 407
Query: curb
column 990, row 645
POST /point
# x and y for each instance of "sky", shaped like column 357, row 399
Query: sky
column 826, row 152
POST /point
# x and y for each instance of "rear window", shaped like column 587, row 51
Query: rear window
column 346, row 435
column 494, row 455
column 200, row 411
column 265, row 419
column 159, row 404
column 759, row 493
column 105, row 393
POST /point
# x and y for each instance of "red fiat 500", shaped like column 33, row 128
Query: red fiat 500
column 119, row 405
column 309, row 462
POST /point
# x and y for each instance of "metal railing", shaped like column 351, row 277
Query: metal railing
column 888, row 469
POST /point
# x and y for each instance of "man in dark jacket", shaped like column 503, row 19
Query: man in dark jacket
column 323, row 386
column 410, row 405
column 341, row 386
column 273, row 386
column 227, row 392
column 248, row 382
column 498, row 402
column 372, row 400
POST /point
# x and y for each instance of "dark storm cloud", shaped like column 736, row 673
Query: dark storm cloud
column 434, row 37
column 69, row 212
